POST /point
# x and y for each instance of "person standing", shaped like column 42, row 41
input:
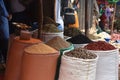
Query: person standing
column 4, row 30
column 18, row 10
column 108, row 14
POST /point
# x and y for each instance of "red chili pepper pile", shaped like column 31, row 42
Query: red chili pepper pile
column 99, row 45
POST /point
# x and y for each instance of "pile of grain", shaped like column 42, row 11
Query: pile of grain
column 58, row 43
column 40, row 49
column 81, row 53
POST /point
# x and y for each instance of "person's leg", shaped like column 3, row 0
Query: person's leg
column 4, row 37
column 101, row 25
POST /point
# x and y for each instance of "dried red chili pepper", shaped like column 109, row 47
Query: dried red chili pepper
column 99, row 45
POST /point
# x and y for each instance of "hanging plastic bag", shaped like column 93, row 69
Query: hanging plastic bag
column 69, row 15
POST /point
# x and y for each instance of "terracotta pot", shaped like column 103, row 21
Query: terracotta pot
column 13, row 65
column 39, row 63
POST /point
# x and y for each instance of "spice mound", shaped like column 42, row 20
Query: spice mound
column 48, row 20
column 50, row 28
column 99, row 45
column 71, row 32
column 79, row 39
column 58, row 43
column 40, row 48
column 81, row 53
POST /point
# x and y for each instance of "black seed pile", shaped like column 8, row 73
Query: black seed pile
column 79, row 39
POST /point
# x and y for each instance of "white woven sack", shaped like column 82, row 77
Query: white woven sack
column 77, row 69
column 107, row 66
column 79, row 45
column 48, row 36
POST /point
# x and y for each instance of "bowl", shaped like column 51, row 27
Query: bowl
column 107, row 39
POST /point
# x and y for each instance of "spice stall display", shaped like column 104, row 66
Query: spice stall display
column 15, row 57
column 79, row 40
column 107, row 66
column 78, row 64
column 61, row 45
column 39, row 62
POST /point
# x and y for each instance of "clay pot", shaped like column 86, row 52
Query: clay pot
column 39, row 63
column 13, row 65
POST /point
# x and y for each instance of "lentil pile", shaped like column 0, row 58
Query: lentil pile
column 81, row 53
column 79, row 39
column 99, row 45
column 58, row 43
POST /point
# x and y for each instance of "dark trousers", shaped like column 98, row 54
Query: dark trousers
column 4, row 37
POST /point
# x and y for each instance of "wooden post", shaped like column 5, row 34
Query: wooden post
column 86, row 17
column 112, row 27
column 40, row 21
column 81, row 14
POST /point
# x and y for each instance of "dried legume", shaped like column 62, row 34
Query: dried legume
column 81, row 53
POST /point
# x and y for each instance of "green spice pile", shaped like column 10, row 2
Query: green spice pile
column 50, row 28
column 81, row 53
column 71, row 31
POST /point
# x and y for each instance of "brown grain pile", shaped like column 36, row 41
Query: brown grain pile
column 58, row 43
column 40, row 48
column 81, row 53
